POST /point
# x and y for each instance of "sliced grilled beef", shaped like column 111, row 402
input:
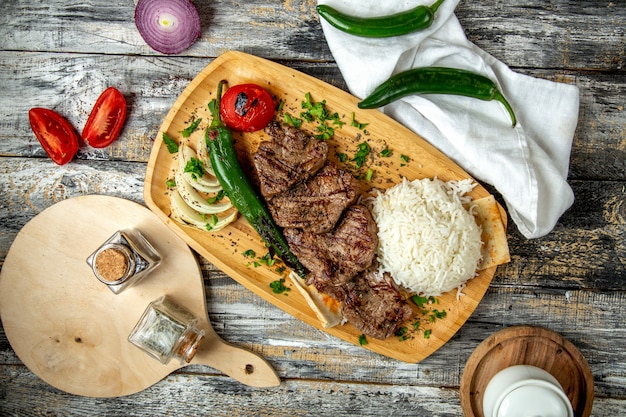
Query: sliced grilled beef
column 334, row 258
column 289, row 157
column 374, row 305
column 315, row 205
column 335, row 239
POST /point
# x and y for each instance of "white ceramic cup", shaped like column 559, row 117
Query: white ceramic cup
column 525, row 391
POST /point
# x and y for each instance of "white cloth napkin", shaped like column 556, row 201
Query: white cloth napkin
column 527, row 164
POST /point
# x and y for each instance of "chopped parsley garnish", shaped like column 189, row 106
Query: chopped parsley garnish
column 249, row 254
column 368, row 175
column 191, row 128
column 170, row 183
column 362, row 340
column 386, row 153
column 268, row 259
column 419, row 300
column 172, row 146
column 212, row 222
column 326, row 132
column 279, row 287
column 431, row 314
column 319, row 113
column 439, row 314
column 405, row 159
column 353, row 122
column 336, row 120
column 361, row 155
column 195, row 167
column 293, row 121
column 402, row 333
column 218, row 197
column 313, row 111
column 342, row 157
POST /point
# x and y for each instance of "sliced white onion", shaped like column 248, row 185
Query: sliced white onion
column 203, row 154
column 191, row 208
column 196, row 201
column 207, row 183
column 182, row 213
column 167, row 26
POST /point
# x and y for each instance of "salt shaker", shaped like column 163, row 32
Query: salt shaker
column 166, row 330
column 123, row 260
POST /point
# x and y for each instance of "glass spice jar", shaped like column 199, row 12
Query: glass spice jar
column 166, row 330
column 123, row 260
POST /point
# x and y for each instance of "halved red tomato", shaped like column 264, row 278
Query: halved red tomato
column 56, row 135
column 106, row 119
column 247, row 107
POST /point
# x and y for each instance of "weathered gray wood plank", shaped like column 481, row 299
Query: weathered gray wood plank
column 539, row 286
column 585, row 250
column 560, row 34
column 70, row 84
column 556, row 34
column 218, row 396
column 62, row 53
column 205, row 394
column 546, row 277
column 289, row 30
column 587, row 246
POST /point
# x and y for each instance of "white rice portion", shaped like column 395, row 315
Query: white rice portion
column 428, row 242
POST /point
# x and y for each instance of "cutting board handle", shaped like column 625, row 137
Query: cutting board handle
column 238, row 363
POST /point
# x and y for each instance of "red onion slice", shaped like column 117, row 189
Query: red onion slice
column 168, row 26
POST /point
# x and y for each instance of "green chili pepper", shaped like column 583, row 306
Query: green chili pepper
column 418, row 18
column 436, row 80
column 233, row 180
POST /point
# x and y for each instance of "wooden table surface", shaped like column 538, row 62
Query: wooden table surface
column 61, row 54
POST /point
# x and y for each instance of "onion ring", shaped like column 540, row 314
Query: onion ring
column 167, row 26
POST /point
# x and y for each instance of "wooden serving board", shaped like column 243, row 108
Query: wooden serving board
column 71, row 330
column 527, row 345
column 226, row 248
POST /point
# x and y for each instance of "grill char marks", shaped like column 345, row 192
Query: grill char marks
column 315, row 205
column 374, row 305
column 341, row 264
column 290, row 157
column 334, row 238
column 336, row 257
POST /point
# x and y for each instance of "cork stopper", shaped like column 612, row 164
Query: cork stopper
column 113, row 263
column 189, row 345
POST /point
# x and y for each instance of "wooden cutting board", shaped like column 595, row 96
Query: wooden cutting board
column 71, row 330
column 412, row 157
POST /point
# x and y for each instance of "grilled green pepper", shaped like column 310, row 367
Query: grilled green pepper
column 436, row 80
column 418, row 18
column 244, row 197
